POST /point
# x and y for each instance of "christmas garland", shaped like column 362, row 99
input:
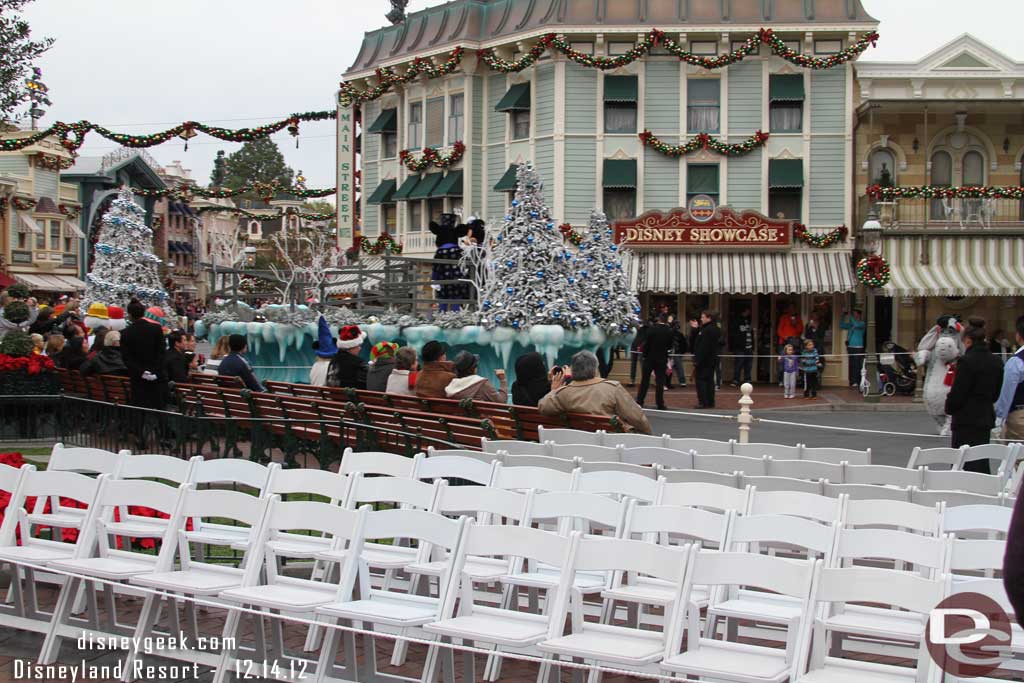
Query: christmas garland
column 432, row 157
column 265, row 216
column 384, row 243
column 266, row 191
column 72, row 212
column 72, row 135
column 52, row 162
column 570, row 235
column 703, row 141
column 877, row 192
column 22, row 204
column 820, row 240
column 873, row 271
column 387, row 78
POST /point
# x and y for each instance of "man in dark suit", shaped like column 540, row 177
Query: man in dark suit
column 705, row 358
column 176, row 363
column 979, row 379
column 657, row 346
column 142, row 349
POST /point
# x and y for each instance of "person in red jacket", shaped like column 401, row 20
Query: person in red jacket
column 789, row 331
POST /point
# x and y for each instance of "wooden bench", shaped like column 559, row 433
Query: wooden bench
column 208, row 380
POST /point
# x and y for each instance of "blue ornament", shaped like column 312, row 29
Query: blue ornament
column 605, row 294
column 529, row 238
column 609, row 266
column 487, row 305
column 584, row 273
column 572, row 305
column 510, row 263
column 551, row 225
column 556, row 314
column 541, row 303
column 500, row 238
column 508, row 218
column 510, row 290
column 515, row 324
column 614, row 247
column 534, row 214
column 572, row 281
column 515, row 202
column 596, row 237
column 540, row 274
column 590, row 259
column 498, row 318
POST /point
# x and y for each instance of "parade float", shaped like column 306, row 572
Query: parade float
column 543, row 288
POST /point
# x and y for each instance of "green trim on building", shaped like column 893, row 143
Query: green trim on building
column 619, row 174
column 786, row 88
column 384, row 194
column 620, row 89
column 516, row 99
column 406, row 189
column 425, row 187
column 785, row 173
column 451, row 186
column 387, row 122
column 508, row 181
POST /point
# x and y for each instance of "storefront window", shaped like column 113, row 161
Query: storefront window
column 619, row 204
column 785, row 203
column 703, row 106
column 415, row 216
column 520, row 125
column 620, row 117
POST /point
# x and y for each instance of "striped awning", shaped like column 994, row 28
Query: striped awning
column 796, row 272
column 941, row 265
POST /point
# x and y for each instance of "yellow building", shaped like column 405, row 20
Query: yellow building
column 951, row 119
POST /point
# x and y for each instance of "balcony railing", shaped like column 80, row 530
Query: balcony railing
column 944, row 214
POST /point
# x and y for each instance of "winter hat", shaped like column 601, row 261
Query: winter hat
column 155, row 315
column 115, row 313
column 383, row 350
column 97, row 310
column 350, row 337
column 325, row 346
column 465, row 362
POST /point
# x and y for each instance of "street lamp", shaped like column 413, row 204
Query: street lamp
column 871, row 243
column 250, row 256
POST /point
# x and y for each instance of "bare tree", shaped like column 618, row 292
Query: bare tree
column 323, row 255
column 288, row 244
column 228, row 250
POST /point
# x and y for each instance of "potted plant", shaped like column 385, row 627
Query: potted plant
column 22, row 371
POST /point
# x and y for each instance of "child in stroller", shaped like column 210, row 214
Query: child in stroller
column 897, row 371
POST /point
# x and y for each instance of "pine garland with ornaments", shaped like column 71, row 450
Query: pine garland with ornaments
column 536, row 279
column 821, row 240
column 880, row 193
column 704, row 141
column 613, row 304
column 873, row 271
column 432, row 157
column 124, row 266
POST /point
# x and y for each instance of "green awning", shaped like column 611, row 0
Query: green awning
column 451, row 186
column 702, row 179
column 516, row 99
column 426, row 186
column 620, row 89
column 384, row 194
column 785, row 173
column 407, row 187
column 786, row 88
column 508, row 181
column 387, row 122
column 620, row 173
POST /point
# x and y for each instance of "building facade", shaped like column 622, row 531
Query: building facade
column 951, row 119
column 581, row 127
column 40, row 236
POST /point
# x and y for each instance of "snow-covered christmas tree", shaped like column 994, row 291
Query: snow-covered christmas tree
column 535, row 280
column 613, row 304
column 124, row 266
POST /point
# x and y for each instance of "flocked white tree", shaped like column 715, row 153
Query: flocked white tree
column 613, row 304
column 535, row 280
column 124, row 266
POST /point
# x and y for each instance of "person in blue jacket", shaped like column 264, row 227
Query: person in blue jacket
column 855, row 333
column 809, row 360
column 235, row 364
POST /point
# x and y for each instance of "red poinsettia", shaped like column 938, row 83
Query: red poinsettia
column 33, row 364
column 14, row 459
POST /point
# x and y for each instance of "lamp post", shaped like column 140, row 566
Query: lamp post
column 871, row 243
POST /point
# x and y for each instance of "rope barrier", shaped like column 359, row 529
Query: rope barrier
column 200, row 602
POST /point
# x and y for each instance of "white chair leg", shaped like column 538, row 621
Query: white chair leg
column 227, row 655
column 401, row 650
column 148, row 617
column 51, row 643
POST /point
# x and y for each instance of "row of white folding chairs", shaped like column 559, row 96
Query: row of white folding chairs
column 426, row 616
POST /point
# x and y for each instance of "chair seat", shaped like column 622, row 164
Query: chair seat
column 113, row 568
column 283, row 597
column 479, row 569
column 731, row 661
column 403, row 612
column 64, row 520
column 653, row 592
column 625, row 646
column 759, row 606
column 298, row 546
column 585, row 582
column 219, row 536
column 35, row 554
column 511, row 629
column 139, row 529
column 879, row 622
column 835, row 671
column 194, row 581
column 376, row 555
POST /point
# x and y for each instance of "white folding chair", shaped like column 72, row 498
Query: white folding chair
column 96, row 558
column 985, row 519
column 265, row 588
column 621, row 484
column 960, row 480
column 836, row 587
column 662, row 457
column 586, row 452
column 688, row 476
column 798, row 504
column 299, row 484
column 84, row 460
column 455, row 467
column 389, row 610
column 866, row 491
column 783, row 484
column 165, row 467
column 731, row 463
column 812, row 470
column 995, row 590
column 730, row 660
column 700, row 445
column 954, row 498
column 882, row 475
column 474, row 455
column 837, row 455
column 943, row 458
column 772, row 450
column 539, row 478
column 539, row 461
column 973, row 559
column 708, row 496
column 193, row 578
column 516, row 447
column 500, row 628
column 899, row 514
column 570, row 436
column 1001, row 455
column 608, row 644
column 631, row 440
column 643, row 471
column 234, row 472
column 372, row 463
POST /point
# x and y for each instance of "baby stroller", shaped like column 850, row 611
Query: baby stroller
column 897, row 371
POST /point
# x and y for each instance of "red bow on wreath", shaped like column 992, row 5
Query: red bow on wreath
column 766, row 35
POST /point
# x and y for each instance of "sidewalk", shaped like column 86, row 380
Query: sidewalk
column 769, row 397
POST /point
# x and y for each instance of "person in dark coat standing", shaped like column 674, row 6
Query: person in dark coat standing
column 979, row 379
column 657, row 346
column 142, row 349
column 705, row 358
column 348, row 370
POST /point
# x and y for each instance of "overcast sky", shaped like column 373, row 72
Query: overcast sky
column 142, row 65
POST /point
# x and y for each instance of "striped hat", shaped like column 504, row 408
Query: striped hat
column 383, row 350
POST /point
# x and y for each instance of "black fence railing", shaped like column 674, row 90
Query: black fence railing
column 84, row 422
